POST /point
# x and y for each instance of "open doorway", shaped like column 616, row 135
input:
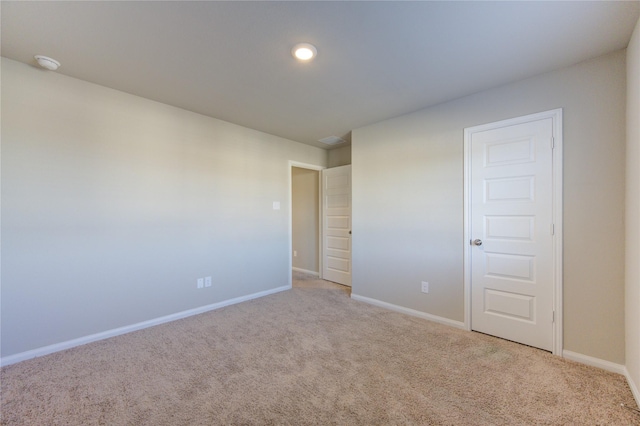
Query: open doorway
column 305, row 219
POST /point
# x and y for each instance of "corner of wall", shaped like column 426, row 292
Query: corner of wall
column 632, row 216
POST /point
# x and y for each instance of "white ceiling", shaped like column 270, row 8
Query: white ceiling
column 376, row 60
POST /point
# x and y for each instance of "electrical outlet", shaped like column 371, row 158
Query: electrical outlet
column 425, row 287
column 207, row 282
column 295, row 253
column 200, row 282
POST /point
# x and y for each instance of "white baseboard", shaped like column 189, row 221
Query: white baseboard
column 46, row 350
column 594, row 362
column 306, row 271
column 408, row 311
column 633, row 385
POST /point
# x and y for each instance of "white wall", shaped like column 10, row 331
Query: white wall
column 632, row 296
column 408, row 200
column 305, row 218
column 113, row 206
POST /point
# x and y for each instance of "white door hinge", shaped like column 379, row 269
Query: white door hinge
column 553, row 142
column 553, row 229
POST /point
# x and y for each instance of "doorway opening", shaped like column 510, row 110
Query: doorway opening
column 305, row 220
column 305, row 224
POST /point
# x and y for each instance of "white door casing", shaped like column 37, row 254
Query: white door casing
column 513, row 229
column 336, row 223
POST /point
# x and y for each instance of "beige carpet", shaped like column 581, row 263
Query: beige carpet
column 310, row 355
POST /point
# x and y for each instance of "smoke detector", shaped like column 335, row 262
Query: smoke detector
column 47, row 63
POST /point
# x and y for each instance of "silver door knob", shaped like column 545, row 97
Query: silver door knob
column 477, row 242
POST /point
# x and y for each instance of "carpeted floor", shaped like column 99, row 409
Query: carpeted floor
column 310, row 355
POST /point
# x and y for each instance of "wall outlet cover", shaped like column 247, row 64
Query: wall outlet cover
column 425, row 287
column 200, row 282
column 207, row 282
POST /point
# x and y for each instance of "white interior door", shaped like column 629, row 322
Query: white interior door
column 511, row 231
column 336, row 225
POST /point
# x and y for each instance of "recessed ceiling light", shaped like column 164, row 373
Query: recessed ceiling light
column 304, row 51
column 46, row 62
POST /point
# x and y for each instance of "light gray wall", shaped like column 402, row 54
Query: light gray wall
column 340, row 156
column 113, row 206
column 305, row 217
column 408, row 200
column 632, row 295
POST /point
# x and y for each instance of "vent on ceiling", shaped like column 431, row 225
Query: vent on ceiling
column 331, row 140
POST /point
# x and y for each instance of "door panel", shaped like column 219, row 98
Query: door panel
column 336, row 240
column 512, row 268
column 515, row 228
column 513, row 306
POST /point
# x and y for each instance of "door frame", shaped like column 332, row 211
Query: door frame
column 557, row 171
column 319, row 169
